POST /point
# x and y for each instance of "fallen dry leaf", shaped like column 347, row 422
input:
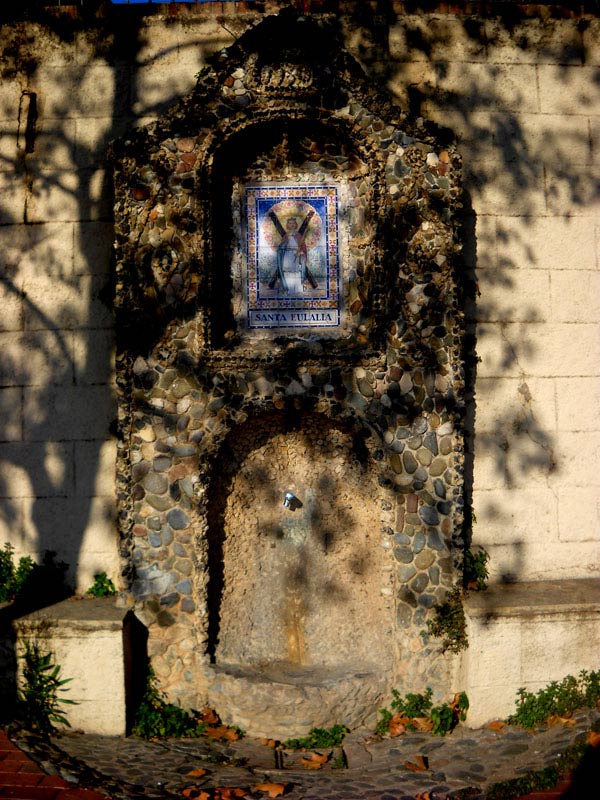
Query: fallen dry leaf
column 322, row 758
column 593, row 738
column 422, row 723
column 315, row 760
column 396, row 729
column 397, row 724
column 423, row 796
column 194, row 793
column 196, row 773
column 210, row 716
column 555, row 719
column 272, row 789
column 496, row 725
column 228, row 792
column 269, row 742
column 222, row 732
column 308, row 764
column 418, row 764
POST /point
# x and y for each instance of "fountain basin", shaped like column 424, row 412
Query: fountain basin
column 281, row 700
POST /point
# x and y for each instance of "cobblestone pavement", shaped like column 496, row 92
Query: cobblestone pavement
column 464, row 764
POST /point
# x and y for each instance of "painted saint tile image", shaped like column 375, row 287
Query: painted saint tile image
column 292, row 267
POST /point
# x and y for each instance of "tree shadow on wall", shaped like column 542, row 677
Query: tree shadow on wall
column 513, row 89
column 57, row 402
column 81, row 83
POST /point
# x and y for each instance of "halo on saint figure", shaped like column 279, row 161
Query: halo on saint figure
column 285, row 211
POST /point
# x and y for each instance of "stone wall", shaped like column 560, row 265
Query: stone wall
column 519, row 93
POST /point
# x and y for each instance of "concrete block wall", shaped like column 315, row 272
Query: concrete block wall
column 57, row 394
column 524, row 103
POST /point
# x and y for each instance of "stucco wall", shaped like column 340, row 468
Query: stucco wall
column 521, row 99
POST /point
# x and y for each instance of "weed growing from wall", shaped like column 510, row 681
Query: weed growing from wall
column 449, row 623
column 102, row 586
column 39, row 700
column 157, row 719
column 475, row 571
column 417, row 712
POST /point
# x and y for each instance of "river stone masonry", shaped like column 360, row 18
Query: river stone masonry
column 287, row 105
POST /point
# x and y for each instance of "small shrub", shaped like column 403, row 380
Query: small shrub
column 383, row 724
column 559, row 698
column 446, row 717
column 413, row 705
column 12, row 578
column 38, row 701
column 157, row 719
column 318, row 738
column 475, row 571
column 449, row 623
column 102, row 586
column 591, row 687
column 417, row 713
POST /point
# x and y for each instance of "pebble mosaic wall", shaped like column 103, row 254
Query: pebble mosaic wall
column 192, row 378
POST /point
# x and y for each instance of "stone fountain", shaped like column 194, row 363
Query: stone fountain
column 289, row 321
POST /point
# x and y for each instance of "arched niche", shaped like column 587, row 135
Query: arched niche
column 296, row 583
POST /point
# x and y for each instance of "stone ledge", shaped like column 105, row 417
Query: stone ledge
column 75, row 615
column 95, row 643
column 532, row 598
column 525, row 635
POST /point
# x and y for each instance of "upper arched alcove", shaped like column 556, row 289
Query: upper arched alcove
column 283, row 201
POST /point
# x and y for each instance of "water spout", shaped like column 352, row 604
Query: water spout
column 290, row 500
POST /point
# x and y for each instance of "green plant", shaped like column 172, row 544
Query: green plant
column 12, row 578
column 157, row 719
column 383, row 724
column 318, row 738
column 102, row 586
column 559, row 698
column 475, row 571
column 413, row 705
column 38, row 701
column 449, row 623
column 446, row 717
column 417, row 713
